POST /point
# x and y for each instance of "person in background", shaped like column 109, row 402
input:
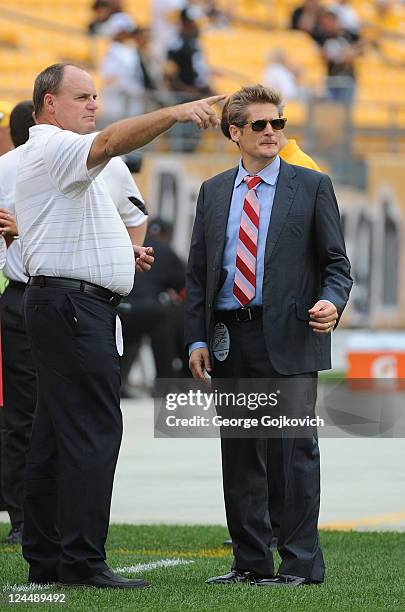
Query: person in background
column 5, row 145
column 5, row 140
column 187, row 71
column 188, row 78
column 150, row 74
column 339, row 53
column 110, row 18
column 307, row 19
column 282, row 74
column 165, row 14
column 348, row 18
column 123, row 88
column 155, row 307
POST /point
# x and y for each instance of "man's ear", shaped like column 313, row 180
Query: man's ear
column 49, row 102
column 234, row 133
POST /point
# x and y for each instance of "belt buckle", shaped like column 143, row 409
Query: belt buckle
column 115, row 299
column 248, row 311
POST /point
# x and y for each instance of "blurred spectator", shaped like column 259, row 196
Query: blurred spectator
column 187, row 74
column 349, row 20
column 165, row 15
column 219, row 17
column 110, row 19
column 151, row 74
column 187, row 71
column 339, row 53
column 282, row 75
column 154, row 307
column 307, row 18
column 5, row 139
column 195, row 9
column 123, row 81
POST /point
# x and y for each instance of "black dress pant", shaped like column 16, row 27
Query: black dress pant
column 76, row 433
column 248, row 474
column 19, row 391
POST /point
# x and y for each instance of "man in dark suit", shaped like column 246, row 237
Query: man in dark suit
column 267, row 264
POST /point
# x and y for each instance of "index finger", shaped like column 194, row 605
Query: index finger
column 214, row 99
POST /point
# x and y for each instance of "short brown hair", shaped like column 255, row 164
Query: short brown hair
column 48, row 81
column 234, row 111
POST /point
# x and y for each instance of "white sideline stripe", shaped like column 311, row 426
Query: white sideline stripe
column 131, row 569
column 144, row 567
column 26, row 588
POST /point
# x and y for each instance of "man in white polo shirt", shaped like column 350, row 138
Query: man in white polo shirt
column 19, row 378
column 80, row 261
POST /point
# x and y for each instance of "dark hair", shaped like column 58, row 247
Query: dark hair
column 101, row 4
column 234, row 111
column 48, row 81
column 21, row 120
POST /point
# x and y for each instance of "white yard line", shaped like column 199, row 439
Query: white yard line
column 26, row 588
column 144, row 567
column 130, row 569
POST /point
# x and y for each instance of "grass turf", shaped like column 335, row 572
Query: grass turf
column 365, row 572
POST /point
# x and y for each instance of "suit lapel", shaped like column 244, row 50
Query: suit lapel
column 283, row 199
column 222, row 206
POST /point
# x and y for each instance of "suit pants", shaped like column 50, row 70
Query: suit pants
column 247, row 472
column 19, row 389
column 76, row 433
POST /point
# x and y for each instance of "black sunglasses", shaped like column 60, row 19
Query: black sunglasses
column 260, row 124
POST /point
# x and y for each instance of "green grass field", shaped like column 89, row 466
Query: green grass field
column 365, row 572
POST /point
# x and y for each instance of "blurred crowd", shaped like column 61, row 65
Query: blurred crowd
column 150, row 66
column 145, row 67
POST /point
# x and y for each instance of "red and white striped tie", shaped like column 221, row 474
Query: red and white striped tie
column 244, row 288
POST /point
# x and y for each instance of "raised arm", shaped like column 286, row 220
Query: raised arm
column 124, row 136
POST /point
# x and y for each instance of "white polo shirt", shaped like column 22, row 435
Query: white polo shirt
column 67, row 221
column 116, row 177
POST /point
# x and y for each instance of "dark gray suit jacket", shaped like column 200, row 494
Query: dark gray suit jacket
column 305, row 261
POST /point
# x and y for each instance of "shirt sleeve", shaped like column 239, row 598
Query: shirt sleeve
column 65, row 158
column 196, row 345
column 130, row 201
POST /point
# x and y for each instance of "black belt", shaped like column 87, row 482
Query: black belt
column 16, row 284
column 77, row 285
column 241, row 315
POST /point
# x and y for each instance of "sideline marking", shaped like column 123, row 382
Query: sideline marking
column 144, row 567
column 379, row 519
column 202, row 552
column 6, row 588
column 132, row 569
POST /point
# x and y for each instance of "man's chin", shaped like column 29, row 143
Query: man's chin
column 269, row 153
column 88, row 128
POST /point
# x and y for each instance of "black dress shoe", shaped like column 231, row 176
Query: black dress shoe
column 107, row 580
column 42, row 581
column 281, row 580
column 232, row 578
column 15, row 535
